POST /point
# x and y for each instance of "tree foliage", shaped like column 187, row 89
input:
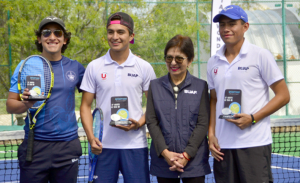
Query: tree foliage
column 155, row 24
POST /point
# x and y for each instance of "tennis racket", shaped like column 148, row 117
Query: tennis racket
column 37, row 75
column 98, row 133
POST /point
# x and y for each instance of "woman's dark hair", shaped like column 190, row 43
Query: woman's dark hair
column 67, row 35
column 185, row 45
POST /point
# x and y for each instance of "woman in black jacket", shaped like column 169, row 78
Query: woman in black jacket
column 177, row 118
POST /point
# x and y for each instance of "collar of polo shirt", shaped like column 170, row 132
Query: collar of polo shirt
column 130, row 61
column 221, row 52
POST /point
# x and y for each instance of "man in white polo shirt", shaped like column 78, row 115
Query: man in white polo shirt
column 241, row 71
column 118, row 74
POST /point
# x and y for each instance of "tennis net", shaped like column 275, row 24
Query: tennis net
column 285, row 154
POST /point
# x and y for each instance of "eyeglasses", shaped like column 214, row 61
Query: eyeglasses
column 47, row 33
column 178, row 59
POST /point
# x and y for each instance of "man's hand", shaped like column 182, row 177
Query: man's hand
column 171, row 158
column 243, row 122
column 215, row 148
column 135, row 125
column 25, row 96
column 96, row 146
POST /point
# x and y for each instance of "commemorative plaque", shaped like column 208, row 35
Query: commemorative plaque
column 232, row 104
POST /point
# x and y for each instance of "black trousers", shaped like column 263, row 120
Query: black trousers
column 52, row 162
column 184, row 180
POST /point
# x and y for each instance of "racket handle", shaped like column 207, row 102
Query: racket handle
column 30, row 145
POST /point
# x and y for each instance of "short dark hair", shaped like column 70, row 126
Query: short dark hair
column 67, row 35
column 185, row 45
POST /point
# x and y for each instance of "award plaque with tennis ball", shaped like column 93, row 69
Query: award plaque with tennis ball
column 33, row 83
column 119, row 111
column 232, row 104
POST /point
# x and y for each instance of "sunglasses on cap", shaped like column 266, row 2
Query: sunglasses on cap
column 178, row 59
column 47, row 33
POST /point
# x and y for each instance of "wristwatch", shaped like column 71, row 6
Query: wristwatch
column 253, row 121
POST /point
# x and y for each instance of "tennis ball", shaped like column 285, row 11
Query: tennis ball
column 123, row 114
column 234, row 108
column 37, row 90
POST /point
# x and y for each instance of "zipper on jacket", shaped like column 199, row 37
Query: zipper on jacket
column 175, row 90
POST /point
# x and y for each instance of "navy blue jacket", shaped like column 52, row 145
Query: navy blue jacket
column 179, row 130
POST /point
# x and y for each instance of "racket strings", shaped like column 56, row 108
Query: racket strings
column 47, row 77
column 97, row 129
column 36, row 66
column 30, row 69
column 96, row 125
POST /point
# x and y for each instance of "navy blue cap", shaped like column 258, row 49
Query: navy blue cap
column 233, row 12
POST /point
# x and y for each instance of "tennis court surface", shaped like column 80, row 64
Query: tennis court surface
column 285, row 156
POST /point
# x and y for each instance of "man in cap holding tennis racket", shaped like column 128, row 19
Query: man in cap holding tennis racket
column 56, row 147
column 115, row 78
column 239, row 76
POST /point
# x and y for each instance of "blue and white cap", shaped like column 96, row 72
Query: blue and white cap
column 234, row 12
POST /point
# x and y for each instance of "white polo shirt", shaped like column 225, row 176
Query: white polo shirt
column 107, row 79
column 252, row 71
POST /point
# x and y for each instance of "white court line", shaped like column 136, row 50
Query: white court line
column 7, row 160
column 10, row 151
column 85, row 177
column 285, row 155
column 290, row 169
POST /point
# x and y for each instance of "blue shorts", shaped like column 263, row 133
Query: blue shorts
column 132, row 163
column 52, row 162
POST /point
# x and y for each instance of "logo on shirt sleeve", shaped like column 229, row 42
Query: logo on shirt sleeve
column 71, row 76
column 216, row 70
